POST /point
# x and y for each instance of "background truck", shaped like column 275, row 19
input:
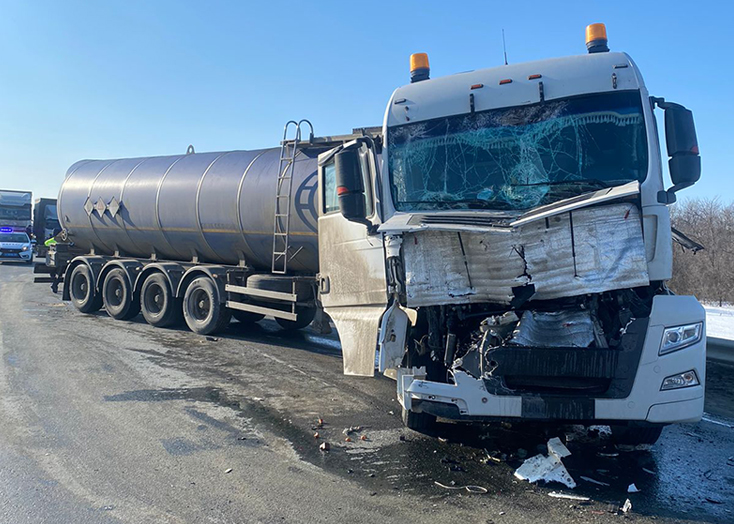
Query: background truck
column 15, row 209
column 45, row 223
column 503, row 241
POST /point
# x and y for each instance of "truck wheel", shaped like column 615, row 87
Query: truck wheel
column 160, row 308
column 420, row 422
column 82, row 290
column 246, row 317
column 118, row 296
column 634, row 435
column 305, row 316
column 203, row 312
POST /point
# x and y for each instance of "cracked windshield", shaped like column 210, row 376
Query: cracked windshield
column 520, row 157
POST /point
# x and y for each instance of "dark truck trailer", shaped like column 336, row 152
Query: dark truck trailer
column 213, row 234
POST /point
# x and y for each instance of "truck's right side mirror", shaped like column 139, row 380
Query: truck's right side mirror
column 350, row 185
column 682, row 145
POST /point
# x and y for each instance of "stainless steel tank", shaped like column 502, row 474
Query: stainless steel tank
column 210, row 207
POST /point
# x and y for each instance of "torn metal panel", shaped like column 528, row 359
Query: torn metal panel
column 358, row 328
column 589, row 250
column 393, row 332
column 565, row 328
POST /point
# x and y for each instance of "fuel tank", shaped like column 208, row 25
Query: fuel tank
column 207, row 207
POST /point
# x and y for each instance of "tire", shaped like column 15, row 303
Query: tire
column 305, row 317
column 157, row 303
column 420, row 422
column 246, row 317
column 118, row 296
column 203, row 312
column 635, row 435
column 82, row 290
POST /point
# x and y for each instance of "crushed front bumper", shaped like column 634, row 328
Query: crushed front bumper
column 468, row 397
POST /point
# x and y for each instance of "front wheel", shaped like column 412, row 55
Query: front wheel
column 203, row 312
column 635, row 435
column 420, row 422
column 305, row 317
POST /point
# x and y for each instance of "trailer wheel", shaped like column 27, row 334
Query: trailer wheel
column 305, row 317
column 160, row 308
column 118, row 296
column 203, row 312
column 246, row 317
column 82, row 290
column 635, row 435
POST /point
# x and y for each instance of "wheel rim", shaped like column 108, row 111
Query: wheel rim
column 79, row 287
column 154, row 299
column 200, row 305
column 115, row 293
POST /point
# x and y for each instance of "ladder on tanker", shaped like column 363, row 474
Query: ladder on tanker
column 283, row 195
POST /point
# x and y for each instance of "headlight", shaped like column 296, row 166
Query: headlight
column 682, row 380
column 24, row 248
column 675, row 338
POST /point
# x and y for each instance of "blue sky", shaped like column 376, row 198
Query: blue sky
column 136, row 78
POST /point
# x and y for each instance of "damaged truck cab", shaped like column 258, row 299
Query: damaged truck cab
column 508, row 245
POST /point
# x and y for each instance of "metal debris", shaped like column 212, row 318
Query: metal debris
column 325, row 446
column 470, row 488
column 559, row 495
column 627, row 507
column 593, row 481
column 548, row 469
column 228, row 470
column 632, row 489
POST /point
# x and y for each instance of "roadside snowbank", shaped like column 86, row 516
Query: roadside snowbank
column 720, row 321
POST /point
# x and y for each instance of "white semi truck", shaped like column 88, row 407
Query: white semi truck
column 500, row 246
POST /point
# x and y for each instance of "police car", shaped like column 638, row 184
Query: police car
column 15, row 245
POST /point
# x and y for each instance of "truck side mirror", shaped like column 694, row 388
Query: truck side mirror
column 350, row 185
column 682, row 145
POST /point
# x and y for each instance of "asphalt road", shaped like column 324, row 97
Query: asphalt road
column 107, row 421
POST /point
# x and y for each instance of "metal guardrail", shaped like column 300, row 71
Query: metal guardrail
column 720, row 349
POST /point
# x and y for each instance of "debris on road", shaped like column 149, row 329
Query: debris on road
column 713, row 500
column 632, row 489
column 627, row 506
column 212, row 339
column 352, row 429
column 316, row 435
column 470, row 488
column 228, row 470
column 548, row 469
column 560, row 495
column 593, row 481
column 325, row 446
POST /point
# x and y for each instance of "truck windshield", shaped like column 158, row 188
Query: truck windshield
column 15, row 212
column 519, row 157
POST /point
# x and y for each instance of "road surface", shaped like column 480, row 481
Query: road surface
column 107, row 421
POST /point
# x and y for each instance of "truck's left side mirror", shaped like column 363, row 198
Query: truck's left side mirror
column 682, row 145
column 350, row 185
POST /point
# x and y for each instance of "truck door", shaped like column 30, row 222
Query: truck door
column 352, row 279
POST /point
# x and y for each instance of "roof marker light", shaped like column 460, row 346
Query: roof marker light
column 477, row 86
column 534, row 77
column 506, row 81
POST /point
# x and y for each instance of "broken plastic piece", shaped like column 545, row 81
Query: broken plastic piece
column 632, row 489
column 469, row 488
column 627, row 507
column 548, row 469
column 325, row 446
column 593, row 481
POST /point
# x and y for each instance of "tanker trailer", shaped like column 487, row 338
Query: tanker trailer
column 203, row 236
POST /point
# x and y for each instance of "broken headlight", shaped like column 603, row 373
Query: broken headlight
column 675, row 338
column 681, row 380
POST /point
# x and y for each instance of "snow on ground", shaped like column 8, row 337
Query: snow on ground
column 720, row 321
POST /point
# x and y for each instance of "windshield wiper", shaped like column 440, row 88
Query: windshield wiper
column 581, row 182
